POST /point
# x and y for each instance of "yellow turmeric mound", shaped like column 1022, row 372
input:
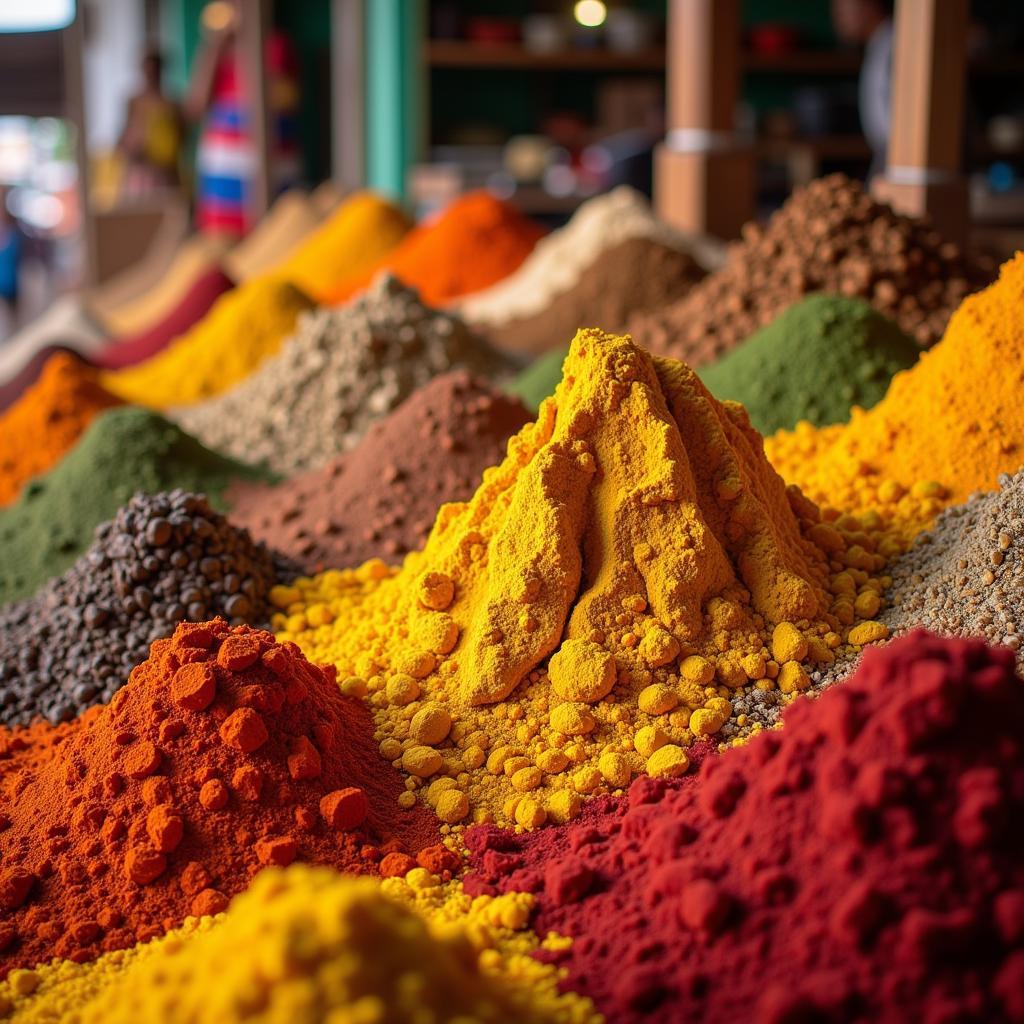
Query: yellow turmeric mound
column 585, row 616
column 244, row 327
column 355, row 237
column 319, row 946
column 947, row 427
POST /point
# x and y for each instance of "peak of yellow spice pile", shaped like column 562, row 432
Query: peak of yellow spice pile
column 632, row 564
column 947, row 427
column 319, row 947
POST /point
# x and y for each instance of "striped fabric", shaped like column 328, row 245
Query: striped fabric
column 226, row 159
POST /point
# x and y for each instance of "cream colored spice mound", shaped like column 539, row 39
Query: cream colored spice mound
column 559, row 260
column 631, row 565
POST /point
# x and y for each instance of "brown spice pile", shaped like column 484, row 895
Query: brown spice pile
column 635, row 274
column 380, row 499
column 831, row 236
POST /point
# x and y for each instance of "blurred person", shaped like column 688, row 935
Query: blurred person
column 151, row 139
column 10, row 259
column 226, row 157
column 868, row 23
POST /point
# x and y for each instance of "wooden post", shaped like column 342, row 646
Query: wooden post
column 255, row 19
column 348, row 88
column 73, row 51
column 703, row 174
column 926, row 128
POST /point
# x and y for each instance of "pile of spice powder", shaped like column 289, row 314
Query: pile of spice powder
column 830, row 236
column 475, row 242
column 632, row 564
column 291, row 219
column 360, row 233
column 965, row 576
column 365, row 956
column 380, row 499
column 946, row 428
column 243, row 328
column 161, row 559
column 14, row 387
column 223, row 753
column 814, row 362
column 863, row 863
column 124, row 451
column 635, row 274
column 196, row 256
column 47, row 420
column 130, row 349
column 342, row 370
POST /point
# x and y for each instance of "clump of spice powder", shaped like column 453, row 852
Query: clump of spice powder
column 224, row 753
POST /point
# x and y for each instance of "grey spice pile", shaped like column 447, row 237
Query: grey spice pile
column 162, row 558
column 965, row 577
column 342, row 370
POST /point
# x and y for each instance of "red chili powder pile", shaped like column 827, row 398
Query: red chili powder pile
column 223, row 753
column 866, row 862
column 475, row 242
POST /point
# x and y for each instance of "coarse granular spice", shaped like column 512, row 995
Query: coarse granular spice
column 320, row 946
column 866, row 862
column 830, row 236
column 197, row 301
column 634, row 274
column 223, row 753
column 947, row 427
column 342, row 370
column 814, row 362
column 965, row 576
column 360, row 233
column 632, row 564
column 124, row 451
column 243, row 328
column 474, row 242
column 380, row 499
column 47, row 421
column 161, row 559
column 562, row 259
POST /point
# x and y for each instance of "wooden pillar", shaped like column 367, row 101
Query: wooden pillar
column 73, row 56
column 254, row 28
column 703, row 174
column 348, row 89
column 926, row 129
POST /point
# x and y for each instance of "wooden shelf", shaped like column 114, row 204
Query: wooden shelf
column 460, row 54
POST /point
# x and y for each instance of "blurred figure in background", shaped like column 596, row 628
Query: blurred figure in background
column 868, row 23
column 10, row 264
column 217, row 98
column 151, row 140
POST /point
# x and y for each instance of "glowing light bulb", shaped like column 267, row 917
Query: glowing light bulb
column 590, row 13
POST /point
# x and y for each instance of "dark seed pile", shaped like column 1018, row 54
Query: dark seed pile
column 161, row 559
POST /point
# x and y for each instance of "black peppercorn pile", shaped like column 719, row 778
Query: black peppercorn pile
column 161, row 559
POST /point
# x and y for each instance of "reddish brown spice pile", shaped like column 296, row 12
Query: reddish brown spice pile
column 224, row 752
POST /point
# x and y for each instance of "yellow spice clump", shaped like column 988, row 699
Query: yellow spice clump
column 947, row 427
column 632, row 563
column 243, row 328
column 319, row 946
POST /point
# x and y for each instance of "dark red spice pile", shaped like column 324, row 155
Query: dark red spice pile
column 865, row 863
column 224, row 752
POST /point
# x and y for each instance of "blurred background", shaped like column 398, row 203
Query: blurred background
column 126, row 123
